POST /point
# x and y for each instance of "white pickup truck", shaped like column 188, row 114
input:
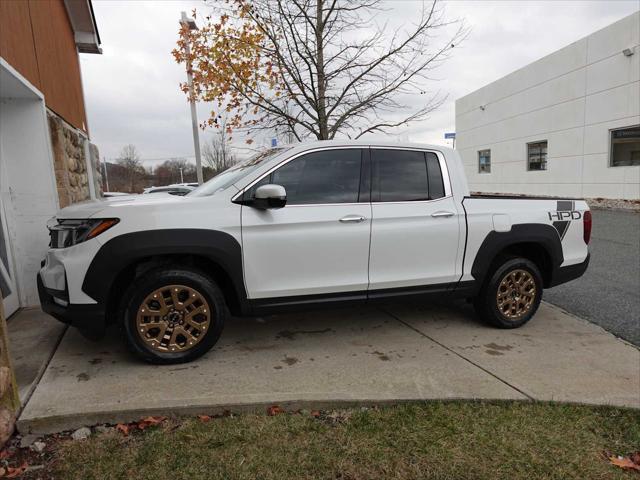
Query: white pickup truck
column 300, row 226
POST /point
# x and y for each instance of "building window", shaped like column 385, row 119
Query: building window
column 484, row 161
column 625, row 147
column 537, row 156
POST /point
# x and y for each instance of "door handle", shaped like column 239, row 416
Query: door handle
column 352, row 219
column 442, row 213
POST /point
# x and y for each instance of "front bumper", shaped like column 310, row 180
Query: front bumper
column 89, row 318
column 571, row 272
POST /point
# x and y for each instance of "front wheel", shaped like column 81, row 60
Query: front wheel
column 173, row 315
column 511, row 295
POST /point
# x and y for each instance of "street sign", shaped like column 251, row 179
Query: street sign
column 274, row 142
column 450, row 135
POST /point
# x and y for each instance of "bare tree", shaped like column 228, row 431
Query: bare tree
column 319, row 67
column 217, row 152
column 175, row 170
column 134, row 172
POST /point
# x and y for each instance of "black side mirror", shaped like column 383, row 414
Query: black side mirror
column 269, row 196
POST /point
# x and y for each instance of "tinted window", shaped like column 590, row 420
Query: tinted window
column 399, row 175
column 436, row 185
column 330, row 176
column 237, row 172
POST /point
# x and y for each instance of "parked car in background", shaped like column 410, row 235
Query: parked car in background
column 301, row 226
column 114, row 194
column 175, row 189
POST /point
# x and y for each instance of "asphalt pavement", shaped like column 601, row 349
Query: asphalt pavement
column 608, row 294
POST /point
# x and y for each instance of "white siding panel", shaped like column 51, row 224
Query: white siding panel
column 603, row 190
column 631, row 191
column 596, row 169
column 612, row 72
column 614, row 38
column 565, row 169
column 612, row 104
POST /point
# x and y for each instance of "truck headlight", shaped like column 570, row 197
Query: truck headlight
column 69, row 232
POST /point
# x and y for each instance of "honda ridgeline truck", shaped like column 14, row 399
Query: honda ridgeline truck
column 300, row 226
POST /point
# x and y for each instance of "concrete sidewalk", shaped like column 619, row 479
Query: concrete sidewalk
column 341, row 357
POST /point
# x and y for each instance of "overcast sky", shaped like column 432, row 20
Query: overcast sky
column 132, row 92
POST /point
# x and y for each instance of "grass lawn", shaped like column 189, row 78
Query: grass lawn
column 439, row 440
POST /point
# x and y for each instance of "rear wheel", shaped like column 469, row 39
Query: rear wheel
column 173, row 315
column 511, row 295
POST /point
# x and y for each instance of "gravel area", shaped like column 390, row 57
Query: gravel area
column 614, row 204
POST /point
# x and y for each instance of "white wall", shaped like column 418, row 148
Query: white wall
column 27, row 187
column 571, row 98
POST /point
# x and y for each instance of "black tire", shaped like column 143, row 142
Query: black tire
column 160, row 278
column 487, row 304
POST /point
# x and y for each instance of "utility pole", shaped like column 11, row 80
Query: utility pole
column 190, row 24
column 106, row 173
column 181, row 177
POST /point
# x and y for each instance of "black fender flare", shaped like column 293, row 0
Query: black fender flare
column 544, row 235
column 122, row 251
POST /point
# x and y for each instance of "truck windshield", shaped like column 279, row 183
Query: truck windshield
column 237, row 172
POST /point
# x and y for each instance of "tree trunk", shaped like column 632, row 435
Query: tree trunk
column 9, row 401
column 323, row 121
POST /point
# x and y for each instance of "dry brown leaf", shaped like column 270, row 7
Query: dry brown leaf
column 123, row 428
column 204, row 418
column 5, row 454
column 624, row 462
column 315, row 413
column 149, row 421
column 15, row 472
column 2, row 471
column 274, row 410
column 635, row 457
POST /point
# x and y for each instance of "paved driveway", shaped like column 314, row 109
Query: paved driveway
column 609, row 292
column 341, row 357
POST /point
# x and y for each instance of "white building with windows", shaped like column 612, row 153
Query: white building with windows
column 567, row 124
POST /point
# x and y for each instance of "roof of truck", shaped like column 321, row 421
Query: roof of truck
column 364, row 143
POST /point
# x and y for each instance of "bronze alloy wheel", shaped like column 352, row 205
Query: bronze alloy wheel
column 516, row 294
column 173, row 318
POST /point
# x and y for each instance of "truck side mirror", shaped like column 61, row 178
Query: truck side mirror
column 269, row 196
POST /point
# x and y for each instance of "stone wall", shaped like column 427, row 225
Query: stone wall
column 68, row 145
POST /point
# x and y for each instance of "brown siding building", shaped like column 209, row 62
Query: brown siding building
column 46, row 159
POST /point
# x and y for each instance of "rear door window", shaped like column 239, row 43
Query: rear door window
column 436, row 184
column 405, row 176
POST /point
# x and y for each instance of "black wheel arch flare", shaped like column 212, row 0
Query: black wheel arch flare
column 124, row 250
column 546, row 236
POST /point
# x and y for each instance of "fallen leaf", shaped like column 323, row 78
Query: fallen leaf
column 5, row 454
column 635, row 457
column 123, row 428
column 149, row 421
column 315, row 413
column 274, row 410
column 15, row 472
column 204, row 418
column 2, row 471
column 624, row 462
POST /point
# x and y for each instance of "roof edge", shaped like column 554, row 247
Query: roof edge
column 84, row 25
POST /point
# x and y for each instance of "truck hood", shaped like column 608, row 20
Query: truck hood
column 92, row 208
